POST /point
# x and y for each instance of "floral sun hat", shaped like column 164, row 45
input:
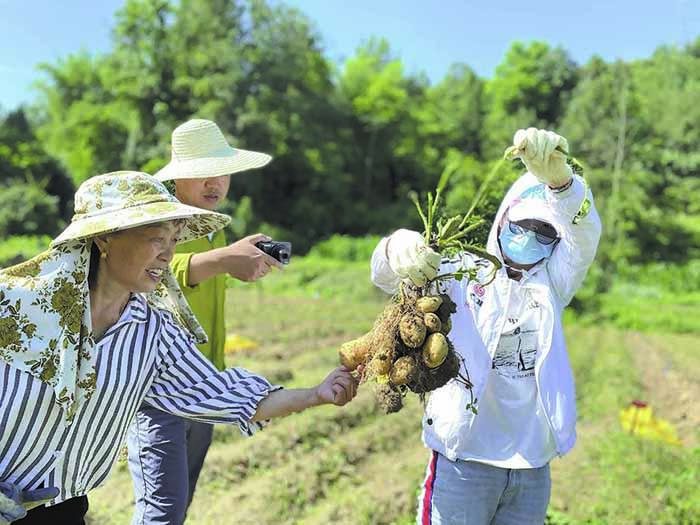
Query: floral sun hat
column 126, row 199
column 200, row 150
column 45, row 324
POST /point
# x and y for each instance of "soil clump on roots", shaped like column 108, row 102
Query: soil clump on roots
column 402, row 353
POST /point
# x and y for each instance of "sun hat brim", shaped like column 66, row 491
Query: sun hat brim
column 198, row 222
column 225, row 162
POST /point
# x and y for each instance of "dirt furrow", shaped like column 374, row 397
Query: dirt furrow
column 670, row 390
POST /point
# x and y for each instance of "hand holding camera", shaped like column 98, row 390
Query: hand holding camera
column 252, row 257
column 280, row 250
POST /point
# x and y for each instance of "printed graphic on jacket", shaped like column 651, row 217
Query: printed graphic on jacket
column 516, row 353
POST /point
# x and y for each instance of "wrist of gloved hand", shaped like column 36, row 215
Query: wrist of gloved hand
column 14, row 503
column 411, row 258
column 11, row 508
column 556, row 177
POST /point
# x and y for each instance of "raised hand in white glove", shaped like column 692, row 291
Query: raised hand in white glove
column 537, row 148
column 411, row 258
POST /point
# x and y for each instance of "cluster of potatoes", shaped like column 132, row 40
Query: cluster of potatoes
column 422, row 330
column 408, row 349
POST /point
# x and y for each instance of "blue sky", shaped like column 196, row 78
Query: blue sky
column 427, row 35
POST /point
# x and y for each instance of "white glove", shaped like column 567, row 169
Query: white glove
column 410, row 257
column 537, row 149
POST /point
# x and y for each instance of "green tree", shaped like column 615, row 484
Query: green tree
column 602, row 125
column 389, row 153
column 209, row 63
column 26, row 209
column 668, row 85
column 530, row 88
column 79, row 121
column 36, row 191
column 453, row 113
column 348, row 145
column 140, row 74
column 288, row 108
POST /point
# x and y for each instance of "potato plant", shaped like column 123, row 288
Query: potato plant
column 409, row 348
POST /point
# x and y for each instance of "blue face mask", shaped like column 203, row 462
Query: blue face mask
column 521, row 246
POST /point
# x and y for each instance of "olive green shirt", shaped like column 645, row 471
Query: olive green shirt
column 206, row 298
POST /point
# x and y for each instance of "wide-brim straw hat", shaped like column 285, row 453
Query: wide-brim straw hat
column 126, row 199
column 200, row 150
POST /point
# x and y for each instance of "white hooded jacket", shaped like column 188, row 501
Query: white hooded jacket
column 482, row 310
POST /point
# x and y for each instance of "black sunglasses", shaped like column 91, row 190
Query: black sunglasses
column 519, row 229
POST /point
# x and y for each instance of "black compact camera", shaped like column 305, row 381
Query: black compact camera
column 280, row 250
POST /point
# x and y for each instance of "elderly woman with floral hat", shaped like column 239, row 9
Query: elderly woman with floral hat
column 96, row 325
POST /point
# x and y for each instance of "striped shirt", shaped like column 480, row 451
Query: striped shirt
column 145, row 356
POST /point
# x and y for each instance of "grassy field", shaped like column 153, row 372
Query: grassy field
column 355, row 465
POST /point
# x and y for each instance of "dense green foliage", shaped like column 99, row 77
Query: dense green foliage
column 35, row 192
column 350, row 142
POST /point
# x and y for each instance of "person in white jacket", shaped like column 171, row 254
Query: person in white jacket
column 492, row 466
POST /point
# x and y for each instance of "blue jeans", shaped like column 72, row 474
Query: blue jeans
column 166, row 454
column 470, row 493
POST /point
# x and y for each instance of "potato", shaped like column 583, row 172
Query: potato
column 429, row 304
column 354, row 353
column 412, row 330
column 432, row 322
column 435, row 350
column 403, row 371
column 380, row 364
